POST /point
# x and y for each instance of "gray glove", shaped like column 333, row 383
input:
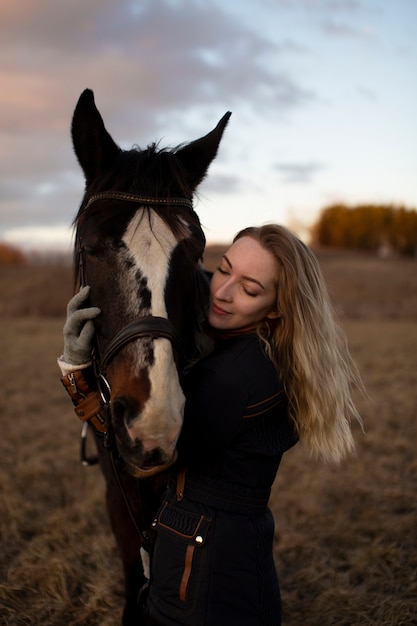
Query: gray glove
column 79, row 329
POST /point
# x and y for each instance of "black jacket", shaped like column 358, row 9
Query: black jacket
column 213, row 562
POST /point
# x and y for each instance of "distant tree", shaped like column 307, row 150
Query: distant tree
column 367, row 227
column 10, row 255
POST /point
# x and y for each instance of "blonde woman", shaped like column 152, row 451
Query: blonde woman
column 280, row 371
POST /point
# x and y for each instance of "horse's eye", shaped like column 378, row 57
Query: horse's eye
column 92, row 251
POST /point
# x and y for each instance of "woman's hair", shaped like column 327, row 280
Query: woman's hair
column 308, row 347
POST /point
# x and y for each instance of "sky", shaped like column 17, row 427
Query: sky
column 322, row 92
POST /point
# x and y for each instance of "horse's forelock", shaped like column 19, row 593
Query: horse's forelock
column 155, row 172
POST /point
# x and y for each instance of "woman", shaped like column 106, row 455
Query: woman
column 279, row 371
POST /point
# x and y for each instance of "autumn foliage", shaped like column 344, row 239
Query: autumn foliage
column 367, row 228
column 10, row 255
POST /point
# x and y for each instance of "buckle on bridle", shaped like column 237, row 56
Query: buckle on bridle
column 104, row 389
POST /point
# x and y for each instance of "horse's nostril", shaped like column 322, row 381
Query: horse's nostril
column 154, row 457
column 124, row 411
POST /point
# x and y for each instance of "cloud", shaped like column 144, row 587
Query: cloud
column 152, row 54
column 298, row 172
column 367, row 93
column 343, row 29
column 222, row 184
column 153, row 64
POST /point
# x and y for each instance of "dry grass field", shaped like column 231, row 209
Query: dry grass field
column 346, row 537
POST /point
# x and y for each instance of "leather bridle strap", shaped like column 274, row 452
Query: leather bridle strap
column 130, row 197
column 147, row 326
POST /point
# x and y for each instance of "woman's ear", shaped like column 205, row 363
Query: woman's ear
column 274, row 314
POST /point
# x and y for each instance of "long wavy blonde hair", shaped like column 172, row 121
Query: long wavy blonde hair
column 309, row 348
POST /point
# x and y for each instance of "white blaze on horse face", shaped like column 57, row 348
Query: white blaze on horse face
column 151, row 244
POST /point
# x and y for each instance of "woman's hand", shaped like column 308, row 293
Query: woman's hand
column 79, row 329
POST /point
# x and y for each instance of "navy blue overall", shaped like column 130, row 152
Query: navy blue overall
column 213, row 559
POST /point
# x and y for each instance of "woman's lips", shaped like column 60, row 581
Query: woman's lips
column 218, row 310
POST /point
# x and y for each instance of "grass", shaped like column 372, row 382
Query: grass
column 346, row 537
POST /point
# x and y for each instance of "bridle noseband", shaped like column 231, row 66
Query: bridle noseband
column 150, row 326
column 147, row 326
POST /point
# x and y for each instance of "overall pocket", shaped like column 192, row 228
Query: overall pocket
column 179, row 557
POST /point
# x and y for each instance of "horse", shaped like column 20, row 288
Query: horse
column 139, row 245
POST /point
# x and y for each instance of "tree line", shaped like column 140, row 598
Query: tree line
column 368, row 228
column 9, row 255
column 364, row 227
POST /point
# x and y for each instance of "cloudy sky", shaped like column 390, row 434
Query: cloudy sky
column 323, row 95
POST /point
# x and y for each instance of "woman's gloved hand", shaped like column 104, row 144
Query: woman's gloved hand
column 79, row 329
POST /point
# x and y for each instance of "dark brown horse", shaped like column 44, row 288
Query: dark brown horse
column 138, row 245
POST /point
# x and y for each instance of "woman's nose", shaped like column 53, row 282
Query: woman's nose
column 224, row 292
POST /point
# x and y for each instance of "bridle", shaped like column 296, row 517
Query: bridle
column 150, row 326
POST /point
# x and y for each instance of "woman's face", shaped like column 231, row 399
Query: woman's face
column 243, row 289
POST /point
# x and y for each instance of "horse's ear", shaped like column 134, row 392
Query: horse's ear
column 197, row 155
column 94, row 147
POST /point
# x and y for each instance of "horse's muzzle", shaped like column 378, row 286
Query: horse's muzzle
column 148, row 471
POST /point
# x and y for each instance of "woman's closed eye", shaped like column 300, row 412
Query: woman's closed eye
column 248, row 292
